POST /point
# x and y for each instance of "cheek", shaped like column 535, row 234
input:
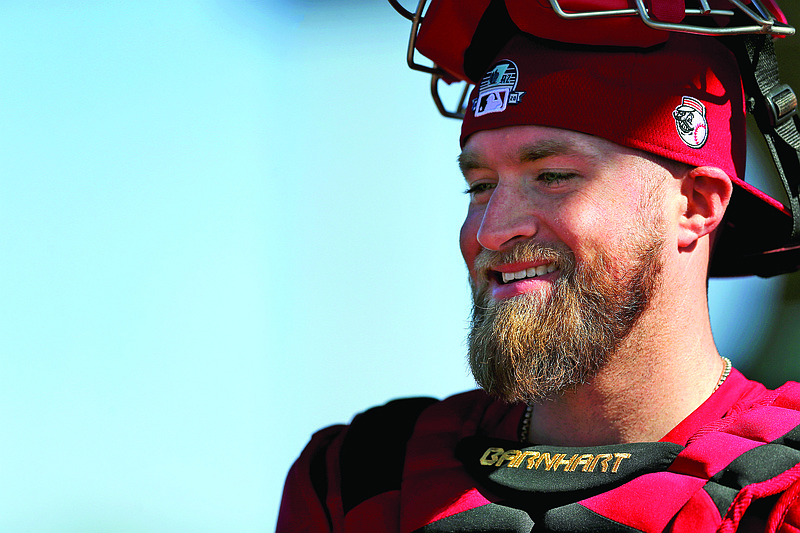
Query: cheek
column 588, row 231
column 468, row 240
column 592, row 221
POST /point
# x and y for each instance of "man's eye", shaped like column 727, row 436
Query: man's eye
column 554, row 178
column 479, row 188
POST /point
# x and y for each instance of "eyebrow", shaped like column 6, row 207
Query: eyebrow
column 529, row 153
column 533, row 152
column 469, row 161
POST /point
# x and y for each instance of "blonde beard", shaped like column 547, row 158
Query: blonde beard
column 535, row 346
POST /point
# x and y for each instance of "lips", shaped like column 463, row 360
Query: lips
column 508, row 281
column 527, row 267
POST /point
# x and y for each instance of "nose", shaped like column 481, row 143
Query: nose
column 507, row 218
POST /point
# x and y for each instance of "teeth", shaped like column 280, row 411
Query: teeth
column 529, row 273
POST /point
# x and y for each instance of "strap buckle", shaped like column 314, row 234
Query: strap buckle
column 781, row 104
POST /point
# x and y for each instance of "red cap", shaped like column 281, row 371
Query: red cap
column 682, row 100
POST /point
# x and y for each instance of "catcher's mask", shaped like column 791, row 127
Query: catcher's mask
column 656, row 75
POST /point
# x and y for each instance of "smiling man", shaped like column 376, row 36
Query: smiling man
column 605, row 186
column 588, row 256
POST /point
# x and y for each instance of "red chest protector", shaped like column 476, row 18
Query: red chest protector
column 422, row 465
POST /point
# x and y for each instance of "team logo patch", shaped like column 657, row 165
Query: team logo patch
column 497, row 89
column 690, row 121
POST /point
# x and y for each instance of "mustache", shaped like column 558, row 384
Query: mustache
column 521, row 252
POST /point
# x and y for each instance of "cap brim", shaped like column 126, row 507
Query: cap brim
column 755, row 236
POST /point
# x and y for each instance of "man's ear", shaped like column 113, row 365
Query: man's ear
column 706, row 192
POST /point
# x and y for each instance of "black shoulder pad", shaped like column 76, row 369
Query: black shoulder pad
column 384, row 430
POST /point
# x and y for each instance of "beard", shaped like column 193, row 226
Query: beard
column 538, row 345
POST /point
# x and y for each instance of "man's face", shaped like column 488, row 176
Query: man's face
column 563, row 242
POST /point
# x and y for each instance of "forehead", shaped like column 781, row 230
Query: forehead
column 520, row 144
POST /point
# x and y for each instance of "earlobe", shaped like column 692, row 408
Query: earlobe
column 706, row 192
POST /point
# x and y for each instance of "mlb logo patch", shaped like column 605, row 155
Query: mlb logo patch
column 493, row 101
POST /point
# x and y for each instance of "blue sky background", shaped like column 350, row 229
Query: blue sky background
column 224, row 225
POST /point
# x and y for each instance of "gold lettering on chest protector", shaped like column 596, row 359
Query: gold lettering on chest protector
column 608, row 462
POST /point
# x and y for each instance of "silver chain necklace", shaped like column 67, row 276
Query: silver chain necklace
column 526, row 418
